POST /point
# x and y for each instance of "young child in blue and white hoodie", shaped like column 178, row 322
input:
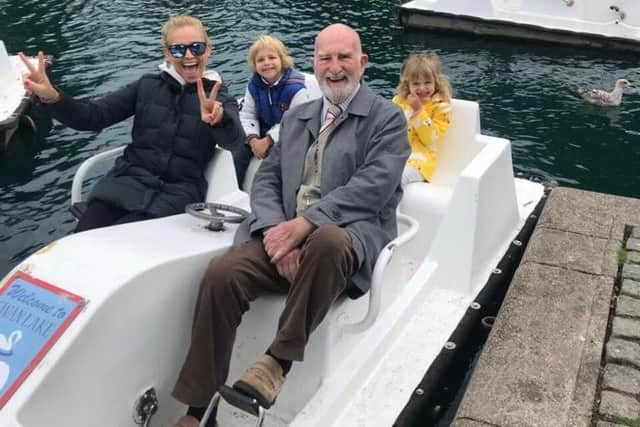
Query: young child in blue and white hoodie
column 274, row 87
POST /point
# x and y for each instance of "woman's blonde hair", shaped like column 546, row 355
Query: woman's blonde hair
column 423, row 66
column 265, row 41
column 179, row 21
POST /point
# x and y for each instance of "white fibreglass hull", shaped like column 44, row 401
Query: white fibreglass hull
column 141, row 282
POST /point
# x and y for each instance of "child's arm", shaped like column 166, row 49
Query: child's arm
column 251, row 125
column 300, row 97
column 249, row 116
column 431, row 122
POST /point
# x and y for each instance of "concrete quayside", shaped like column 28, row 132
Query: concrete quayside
column 565, row 347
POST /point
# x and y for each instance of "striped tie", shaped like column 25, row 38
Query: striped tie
column 309, row 191
column 329, row 123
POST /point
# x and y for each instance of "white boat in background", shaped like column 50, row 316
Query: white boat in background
column 130, row 291
column 613, row 24
column 14, row 99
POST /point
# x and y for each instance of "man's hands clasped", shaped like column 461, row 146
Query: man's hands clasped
column 282, row 244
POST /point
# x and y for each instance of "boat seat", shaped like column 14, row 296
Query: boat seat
column 220, row 170
column 345, row 323
column 429, row 201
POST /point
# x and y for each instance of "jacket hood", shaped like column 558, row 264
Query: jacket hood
column 169, row 69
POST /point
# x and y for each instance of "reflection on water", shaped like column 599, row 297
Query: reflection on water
column 525, row 91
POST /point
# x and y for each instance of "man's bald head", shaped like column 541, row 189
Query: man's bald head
column 340, row 32
column 338, row 61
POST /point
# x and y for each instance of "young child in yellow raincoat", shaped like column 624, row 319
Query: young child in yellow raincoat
column 424, row 95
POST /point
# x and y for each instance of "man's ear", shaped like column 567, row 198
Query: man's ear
column 364, row 59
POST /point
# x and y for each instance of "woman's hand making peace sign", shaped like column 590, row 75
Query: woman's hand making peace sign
column 36, row 80
column 210, row 110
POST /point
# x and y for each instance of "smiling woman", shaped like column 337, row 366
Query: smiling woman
column 186, row 47
column 175, row 133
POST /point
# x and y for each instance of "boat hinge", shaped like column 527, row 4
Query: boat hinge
column 145, row 407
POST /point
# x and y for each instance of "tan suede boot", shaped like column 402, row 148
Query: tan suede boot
column 262, row 380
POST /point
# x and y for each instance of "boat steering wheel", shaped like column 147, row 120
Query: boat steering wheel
column 216, row 214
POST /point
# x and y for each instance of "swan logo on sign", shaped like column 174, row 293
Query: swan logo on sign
column 33, row 315
column 6, row 349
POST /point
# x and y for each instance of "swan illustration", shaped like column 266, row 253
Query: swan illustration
column 6, row 345
column 4, row 374
column 602, row 97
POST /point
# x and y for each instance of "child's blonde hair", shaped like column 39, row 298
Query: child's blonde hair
column 179, row 21
column 423, row 66
column 268, row 42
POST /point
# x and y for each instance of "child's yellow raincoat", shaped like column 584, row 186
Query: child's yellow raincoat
column 425, row 130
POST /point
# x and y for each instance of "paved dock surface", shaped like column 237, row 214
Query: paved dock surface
column 565, row 347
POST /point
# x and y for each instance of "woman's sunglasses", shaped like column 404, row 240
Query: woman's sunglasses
column 179, row 50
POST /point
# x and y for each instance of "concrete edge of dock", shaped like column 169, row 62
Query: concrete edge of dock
column 565, row 347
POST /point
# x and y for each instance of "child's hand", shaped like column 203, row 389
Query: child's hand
column 211, row 110
column 260, row 146
column 415, row 103
column 36, row 80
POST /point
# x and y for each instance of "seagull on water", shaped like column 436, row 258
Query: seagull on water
column 602, row 97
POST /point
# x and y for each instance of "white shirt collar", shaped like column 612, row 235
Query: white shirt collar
column 343, row 105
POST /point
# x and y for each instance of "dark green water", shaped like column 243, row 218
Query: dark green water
column 524, row 91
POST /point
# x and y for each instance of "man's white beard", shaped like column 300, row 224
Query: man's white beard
column 337, row 96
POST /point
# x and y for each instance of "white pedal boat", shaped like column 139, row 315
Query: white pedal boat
column 614, row 24
column 14, row 100
column 138, row 285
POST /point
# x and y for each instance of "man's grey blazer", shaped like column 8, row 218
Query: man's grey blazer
column 360, row 184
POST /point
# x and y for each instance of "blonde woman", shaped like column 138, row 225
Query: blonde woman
column 175, row 130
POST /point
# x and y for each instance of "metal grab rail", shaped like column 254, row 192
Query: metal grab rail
column 384, row 258
column 81, row 173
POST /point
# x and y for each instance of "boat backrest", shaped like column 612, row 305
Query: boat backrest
column 458, row 147
column 7, row 70
column 429, row 201
column 221, row 172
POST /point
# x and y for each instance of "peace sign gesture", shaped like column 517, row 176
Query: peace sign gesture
column 210, row 109
column 36, row 80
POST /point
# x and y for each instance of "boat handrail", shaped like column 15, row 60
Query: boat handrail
column 80, row 175
column 384, row 258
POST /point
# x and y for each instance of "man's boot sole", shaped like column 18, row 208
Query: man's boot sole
column 247, row 389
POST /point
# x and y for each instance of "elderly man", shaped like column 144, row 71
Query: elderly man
column 323, row 206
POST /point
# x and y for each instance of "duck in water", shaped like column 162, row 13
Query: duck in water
column 602, row 97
